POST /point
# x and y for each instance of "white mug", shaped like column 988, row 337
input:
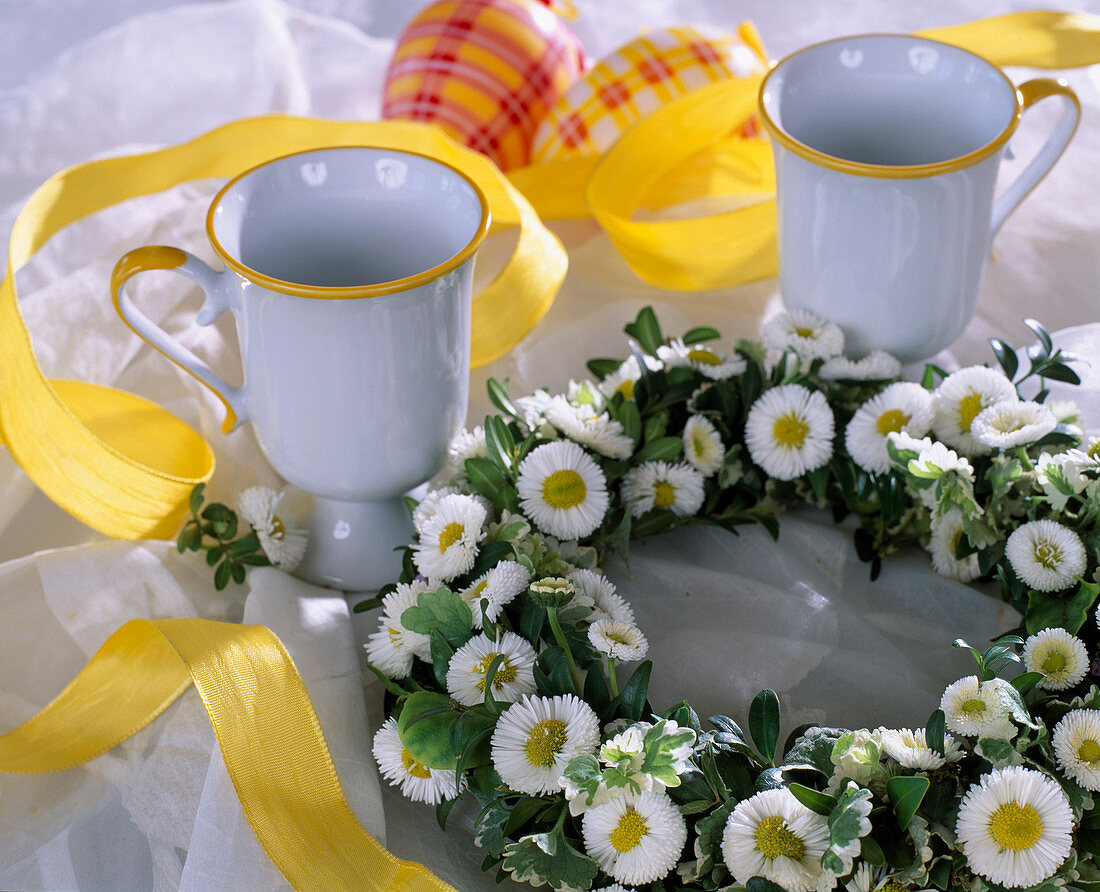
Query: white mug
column 886, row 151
column 349, row 271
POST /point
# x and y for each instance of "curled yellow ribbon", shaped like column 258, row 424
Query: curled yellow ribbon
column 268, row 733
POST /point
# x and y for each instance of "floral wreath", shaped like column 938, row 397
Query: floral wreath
column 499, row 646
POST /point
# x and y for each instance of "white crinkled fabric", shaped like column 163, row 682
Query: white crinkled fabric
column 725, row 615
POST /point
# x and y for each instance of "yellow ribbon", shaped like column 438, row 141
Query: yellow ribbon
column 274, row 749
column 121, row 464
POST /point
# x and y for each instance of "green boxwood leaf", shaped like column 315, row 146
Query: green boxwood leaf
column 1065, row 612
column 814, row 800
column 633, row 697
column 646, row 330
column 700, row 334
column 425, row 729
column 764, row 723
column 935, row 732
column 905, row 794
column 661, row 449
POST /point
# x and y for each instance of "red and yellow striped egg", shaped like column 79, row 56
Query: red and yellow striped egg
column 486, row 71
column 640, row 77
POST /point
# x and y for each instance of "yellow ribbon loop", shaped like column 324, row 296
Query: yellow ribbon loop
column 274, row 749
column 121, row 464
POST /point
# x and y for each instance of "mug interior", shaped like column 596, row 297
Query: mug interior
column 347, row 218
column 892, row 100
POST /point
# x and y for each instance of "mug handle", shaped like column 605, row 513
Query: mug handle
column 213, row 284
column 1031, row 92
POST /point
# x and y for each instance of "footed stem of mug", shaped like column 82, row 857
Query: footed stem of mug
column 352, row 544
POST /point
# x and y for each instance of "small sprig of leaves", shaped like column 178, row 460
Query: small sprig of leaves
column 214, row 529
column 1045, row 363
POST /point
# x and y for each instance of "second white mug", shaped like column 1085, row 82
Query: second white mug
column 887, row 149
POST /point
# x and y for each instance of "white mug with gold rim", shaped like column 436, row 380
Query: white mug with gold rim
column 349, row 272
column 887, row 149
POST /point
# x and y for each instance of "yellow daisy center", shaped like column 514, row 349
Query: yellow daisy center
column 969, row 407
column 1055, row 662
column 704, row 356
column 891, row 420
column 774, row 838
column 1089, row 751
column 450, row 534
column 1014, row 826
column 564, row 489
column 1093, row 451
column 395, row 635
column 629, row 832
column 544, row 742
column 626, row 389
column 664, row 494
column 790, row 431
column 506, row 672
column 1009, row 424
column 616, row 637
column 973, row 706
column 278, row 530
column 699, row 445
column 1048, row 554
column 893, row 887
column 805, row 332
column 413, row 767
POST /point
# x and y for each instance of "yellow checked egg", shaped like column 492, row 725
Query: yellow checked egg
column 639, row 78
column 486, row 71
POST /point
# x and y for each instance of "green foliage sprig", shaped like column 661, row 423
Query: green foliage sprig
column 213, row 529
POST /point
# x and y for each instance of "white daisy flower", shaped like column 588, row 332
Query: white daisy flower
column 284, row 546
column 943, row 546
column 704, row 360
column 582, row 423
column 910, row 749
column 960, row 398
column 621, row 641
column 1065, row 411
column 1046, row 555
column 499, row 587
column 1015, row 826
column 598, row 592
column 417, row 782
column 562, row 490
column 425, row 508
column 623, row 379
column 975, row 710
column 1064, row 466
column 514, row 677
column 464, row 444
column 1077, row 746
column 635, row 838
column 536, row 737
column 805, row 332
column 448, row 541
column 703, row 447
column 878, row 365
column 1012, row 423
column 789, row 431
column 659, row 484
column 585, row 393
column 1059, row 656
column 392, row 648
column 775, row 836
column 937, row 456
column 903, row 406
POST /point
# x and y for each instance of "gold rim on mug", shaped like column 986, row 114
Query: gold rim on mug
column 1026, row 95
column 349, row 292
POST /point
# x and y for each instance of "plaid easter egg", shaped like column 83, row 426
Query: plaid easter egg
column 638, row 78
column 486, row 71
